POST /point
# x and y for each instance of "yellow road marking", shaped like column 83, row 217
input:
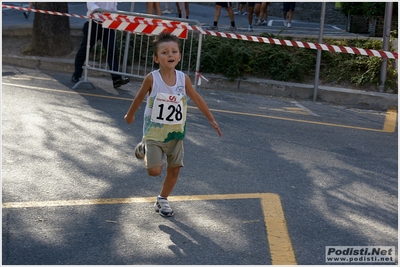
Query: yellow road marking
column 27, row 77
column 290, row 110
column 79, row 202
column 280, row 244
column 389, row 126
column 295, row 120
column 278, row 237
column 65, row 92
column 390, row 121
column 309, row 112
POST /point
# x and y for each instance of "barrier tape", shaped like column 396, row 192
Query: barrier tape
column 143, row 28
column 136, row 19
column 316, row 46
column 45, row 11
column 115, row 22
column 200, row 77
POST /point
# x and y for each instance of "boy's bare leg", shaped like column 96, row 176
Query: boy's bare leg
column 170, row 180
column 154, row 171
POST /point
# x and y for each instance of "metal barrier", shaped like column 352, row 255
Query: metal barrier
column 125, row 47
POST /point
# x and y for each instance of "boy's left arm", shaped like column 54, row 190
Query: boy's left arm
column 201, row 104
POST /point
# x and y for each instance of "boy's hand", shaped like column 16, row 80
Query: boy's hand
column 129, row 120
column 215, row 125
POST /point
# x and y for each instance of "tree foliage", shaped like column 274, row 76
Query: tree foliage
column 367, row 9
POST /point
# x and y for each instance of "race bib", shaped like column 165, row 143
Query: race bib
column 167, row 109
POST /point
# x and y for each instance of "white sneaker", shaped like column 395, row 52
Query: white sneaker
column 163, row 208
column 140, row 150
column 212, row 28
column 231, row 28
column 289, row 25
column 285, row 23
column 167, row 11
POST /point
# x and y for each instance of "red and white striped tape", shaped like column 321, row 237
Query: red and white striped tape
column 143, row 28
column 200, row 76
column 116, row 22
column 136, row 19
column 45, row 11
column 323, row 47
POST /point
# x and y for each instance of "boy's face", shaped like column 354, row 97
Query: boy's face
column 168, row 54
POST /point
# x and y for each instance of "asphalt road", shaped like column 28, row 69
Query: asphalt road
column 286, row 179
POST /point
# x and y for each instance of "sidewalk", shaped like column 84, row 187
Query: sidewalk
column 14, row 24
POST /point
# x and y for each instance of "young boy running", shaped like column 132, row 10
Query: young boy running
column 165, row 115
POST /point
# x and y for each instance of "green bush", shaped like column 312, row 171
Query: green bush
column 243, row 59
column 353, row 8
column 367, row 9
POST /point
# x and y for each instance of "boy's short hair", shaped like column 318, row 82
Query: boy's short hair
column 164, row 37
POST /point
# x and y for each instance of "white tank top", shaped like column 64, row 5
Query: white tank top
column 165, row 112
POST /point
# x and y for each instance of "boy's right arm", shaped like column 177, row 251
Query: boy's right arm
column 137, row 101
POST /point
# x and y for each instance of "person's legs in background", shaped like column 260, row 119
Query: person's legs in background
column 153, row 8
column 263, row 14
column 168, row 9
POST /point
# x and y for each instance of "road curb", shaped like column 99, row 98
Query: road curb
column 334, row 95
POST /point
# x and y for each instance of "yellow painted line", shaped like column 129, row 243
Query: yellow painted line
column 293, row 109
column 297, row 120
column 389, row 125
column 27, row 77
column 390, row 121
column 290, row 110
column 65, row 92
column 279, row 241
column 78, row 202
